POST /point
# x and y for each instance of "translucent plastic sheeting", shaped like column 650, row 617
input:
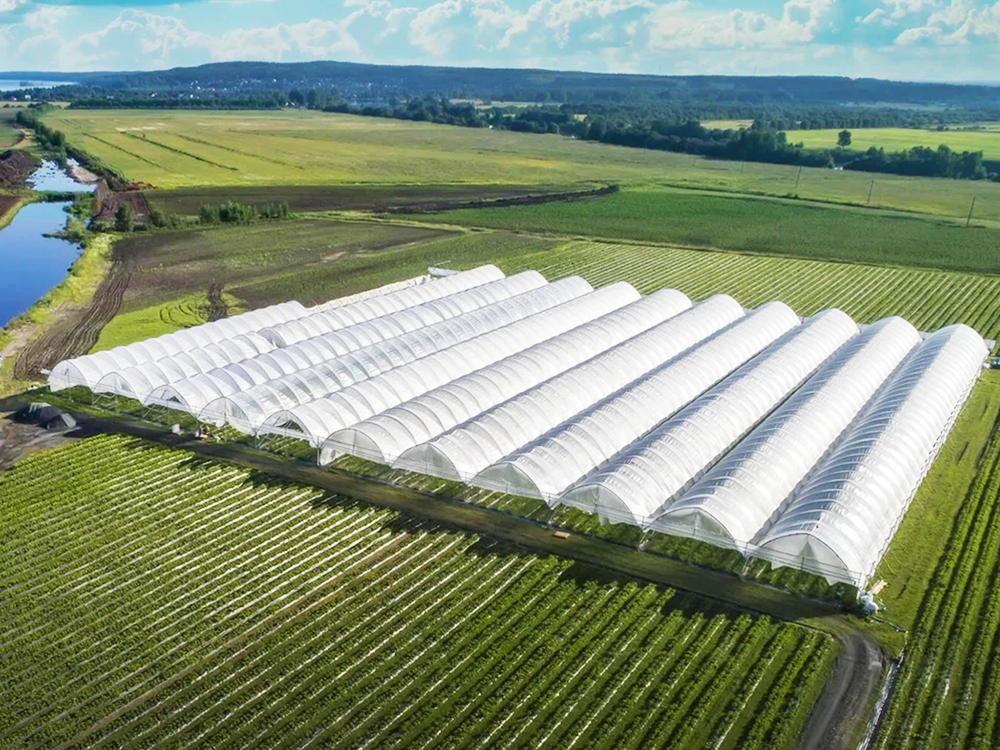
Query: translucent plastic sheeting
column 384, row 289
column 90, row 368
column 317, row 420
column 655, row 469
column 465, row 451
column 547, row 467
column 248, row 410
column 335, row 318
column 140, row 380
column 197, row 394
column 839, row 523
column 733, row 501
column 384, row 437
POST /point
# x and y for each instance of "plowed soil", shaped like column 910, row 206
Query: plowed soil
column 306, row 198
column 15, row 167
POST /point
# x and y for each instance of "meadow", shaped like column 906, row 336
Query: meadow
column 154, row 598
column 225, row 149
column 902, row 139
column 776, row 227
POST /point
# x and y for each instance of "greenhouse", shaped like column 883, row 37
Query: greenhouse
column 464, row 452
column 547, row 467
column 665, row 461
column 740, row 493
column 800, row 442
column 839, row 523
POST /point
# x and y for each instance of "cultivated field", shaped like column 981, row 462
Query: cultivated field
column 949, row 683
column 746, row 224
column 204, row 149
column 901, row 139
column 160, row 600
column 928, row 299
column 343, row 197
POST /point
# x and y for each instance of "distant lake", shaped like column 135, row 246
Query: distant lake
column 13, row 85
column 30, row 264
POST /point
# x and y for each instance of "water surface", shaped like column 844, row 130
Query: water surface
column 7, row 84
column 30, row 264
column 50, row 176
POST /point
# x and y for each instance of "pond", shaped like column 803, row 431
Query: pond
column 31, row 264
column 50, row 176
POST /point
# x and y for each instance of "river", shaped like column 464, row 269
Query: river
column 31, row 264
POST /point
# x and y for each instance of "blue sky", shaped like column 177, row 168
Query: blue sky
column 937, row 40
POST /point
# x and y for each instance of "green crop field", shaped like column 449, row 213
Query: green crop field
column 205, row 149
column 928, row 299
column 901, row 139
column 948, row 688
column 753, row 225
column 159, row 600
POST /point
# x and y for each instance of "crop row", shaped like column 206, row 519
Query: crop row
column 929, row 299
column 947, row 690
column 152, row 599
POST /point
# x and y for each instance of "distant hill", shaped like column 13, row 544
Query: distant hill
column 377, row 82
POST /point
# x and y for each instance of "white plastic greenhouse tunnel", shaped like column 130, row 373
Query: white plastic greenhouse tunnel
column 799, row 442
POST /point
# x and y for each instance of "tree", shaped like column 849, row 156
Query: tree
column 844, row 138
column 125, row 218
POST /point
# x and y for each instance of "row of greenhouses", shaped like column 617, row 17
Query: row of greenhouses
column 797, row 441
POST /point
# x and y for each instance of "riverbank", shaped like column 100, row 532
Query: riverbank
column 10, row 205
column 70, row 295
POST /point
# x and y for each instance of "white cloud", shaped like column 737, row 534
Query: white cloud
column 6, row 6
column 677, row 26
column 959, row 23
column 429, row 29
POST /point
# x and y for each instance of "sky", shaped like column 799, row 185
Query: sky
column 931, row 40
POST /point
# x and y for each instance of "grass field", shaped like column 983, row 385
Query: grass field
column 727, row 124
column 9, row 135
column 901, row 139
column 157, row 599
column 753, row 225
column 205, row 149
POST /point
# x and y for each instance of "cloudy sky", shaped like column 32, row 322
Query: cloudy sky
column 939, row 40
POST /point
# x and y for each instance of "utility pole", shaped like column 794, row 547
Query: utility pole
column 871, row 188
column 971, row 209
column 798, row 178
